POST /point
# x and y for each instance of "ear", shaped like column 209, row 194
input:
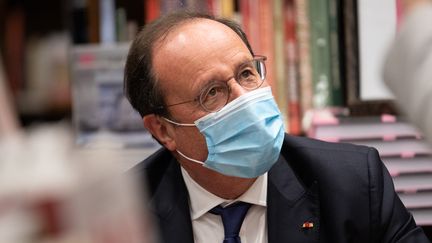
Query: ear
column 161, row 130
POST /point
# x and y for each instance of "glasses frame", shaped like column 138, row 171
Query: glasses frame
column 259, row 58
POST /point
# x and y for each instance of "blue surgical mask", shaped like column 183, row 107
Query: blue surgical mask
column 245, row 137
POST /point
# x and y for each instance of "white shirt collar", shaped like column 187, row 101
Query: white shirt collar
column 201, row 200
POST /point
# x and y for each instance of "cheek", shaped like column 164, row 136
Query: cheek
column 192, row 143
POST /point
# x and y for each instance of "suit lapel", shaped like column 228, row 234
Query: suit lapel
column 290, row 204
column 171, row 207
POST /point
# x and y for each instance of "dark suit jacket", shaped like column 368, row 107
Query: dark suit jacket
column 343, row 189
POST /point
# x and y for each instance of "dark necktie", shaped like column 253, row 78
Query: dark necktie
column 232, row 219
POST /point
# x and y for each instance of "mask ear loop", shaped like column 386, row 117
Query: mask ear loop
column 193, row 160
column 179, row 124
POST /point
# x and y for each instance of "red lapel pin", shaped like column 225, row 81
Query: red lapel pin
column 307, row 225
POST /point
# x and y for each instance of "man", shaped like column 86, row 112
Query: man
column 202, row 94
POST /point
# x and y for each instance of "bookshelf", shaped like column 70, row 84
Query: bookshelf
column 313, row 48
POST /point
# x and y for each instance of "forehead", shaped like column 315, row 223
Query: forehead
column 194, row 45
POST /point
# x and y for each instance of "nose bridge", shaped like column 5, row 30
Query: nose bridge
column 236, row 89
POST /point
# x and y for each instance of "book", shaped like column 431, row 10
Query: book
column 380, row 128
column 227, row 8
column 107, row 21
column 121, row 25
column 413, row 183
column 399, row 166
column 335, row 70
column 79, row 29
column 93, row 17
column 258, row 26
column 280, row 67
column 303, row 44
column 320, row 53
column 152, row 10
column 350, row 64
column 417, row 200
column 405, row 148
column 423, row 217
column 266, row 43
column 291, row 68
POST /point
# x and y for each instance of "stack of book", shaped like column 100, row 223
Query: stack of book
column 405, row 153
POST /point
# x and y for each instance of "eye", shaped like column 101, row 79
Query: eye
column 215, row 96
column 213, row 91
column 246, row 74
column 248, row 78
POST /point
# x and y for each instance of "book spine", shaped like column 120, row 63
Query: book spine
column 280, row 79
column 245, row 17
column 254, row 32
column 303, row 43
column 152, row 10
column 350, row 51
column 121, row 25
column 167, row 6
column 93, row 20
column 291, row 70
column 265, row 30
column 320, row 50
column 107, row 21
column 336, row 84
column 227, row 9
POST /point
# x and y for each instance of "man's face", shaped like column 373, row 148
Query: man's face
column 189, row 58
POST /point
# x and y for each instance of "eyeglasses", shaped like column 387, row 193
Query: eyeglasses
column 215, row 95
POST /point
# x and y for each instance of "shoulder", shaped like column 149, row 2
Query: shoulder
column 333, row 164
column 152, row 169
column 320, row 151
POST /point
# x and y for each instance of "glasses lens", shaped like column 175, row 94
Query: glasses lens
column 252, row 74
column 260, row 67
column 214, row 97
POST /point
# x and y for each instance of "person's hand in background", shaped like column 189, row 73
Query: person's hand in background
column 407, row 70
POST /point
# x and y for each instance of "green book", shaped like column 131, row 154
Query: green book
column 320, row 53
column 336, row 83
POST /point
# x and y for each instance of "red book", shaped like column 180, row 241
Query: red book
column 152, row 10
column 291, row 64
